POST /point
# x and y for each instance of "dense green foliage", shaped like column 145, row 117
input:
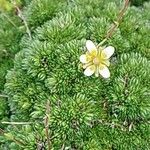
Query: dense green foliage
column 86, row 113
column 10, row 34
column 138, row 2
column 11, row 31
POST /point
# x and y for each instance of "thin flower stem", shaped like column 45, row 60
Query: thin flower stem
column 8, row 136
column 23, row 19
column 9, row 20
column 119, row 20
column 18, row 142
column 47, row 124
column 17, row 123
column 1, row 95
column 101, row 43
column 116, row 23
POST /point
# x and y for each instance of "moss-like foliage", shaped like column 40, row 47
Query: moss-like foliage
column 10, row 34
column 40, row 11
column 86, row 113
column 138, row 2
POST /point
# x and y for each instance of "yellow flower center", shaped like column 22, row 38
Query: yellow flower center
column 99, row 58
column 96, row 58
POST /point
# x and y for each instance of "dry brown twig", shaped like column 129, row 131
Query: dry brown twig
column 116, row 23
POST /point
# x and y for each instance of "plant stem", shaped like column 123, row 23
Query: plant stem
column 23, row 19
column 116, row 23
column 17, row 123
column 5, row 96
column 9, row 20
column 47, row 124
column 9, row 136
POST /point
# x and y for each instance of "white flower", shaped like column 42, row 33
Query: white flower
column 96, row 60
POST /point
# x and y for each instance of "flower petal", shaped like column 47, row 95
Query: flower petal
column 90, row 46
column 89, row 70
column 83, row 59
column 108, row 52
column 104, row 71
column 106, row 62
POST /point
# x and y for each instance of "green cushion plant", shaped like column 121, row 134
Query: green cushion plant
column 87, row 113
